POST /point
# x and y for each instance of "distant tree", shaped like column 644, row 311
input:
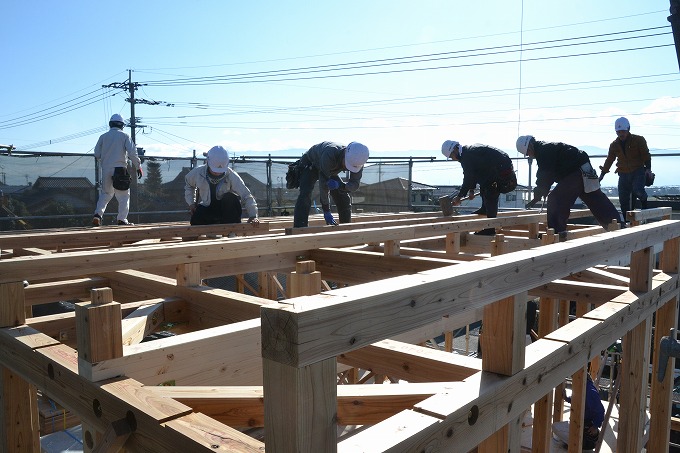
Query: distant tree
column 153, row 182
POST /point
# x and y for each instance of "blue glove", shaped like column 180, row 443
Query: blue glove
column 333, row 184
column 328, row 215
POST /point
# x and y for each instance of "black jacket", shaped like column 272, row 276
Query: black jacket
column 555, row 161
column 481, row 165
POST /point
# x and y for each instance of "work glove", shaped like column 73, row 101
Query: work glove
column 603, row 173
column 328, row 215
column 140, row 173
column 333, row 184
column 539, row 192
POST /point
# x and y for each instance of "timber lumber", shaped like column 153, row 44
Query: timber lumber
column 406, row 302
column 460, row 419
column 161, row 424
column 360, row 404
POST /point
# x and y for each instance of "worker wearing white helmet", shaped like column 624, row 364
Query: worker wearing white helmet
column 570, row 168
column 216, row 194
column 324, row 162
column 487, row 166
column 633, row 164
column 112, row 151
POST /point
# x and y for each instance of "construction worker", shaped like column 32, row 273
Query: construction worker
column 112, row 151
column 215, row 192
column 324, row 162
column 593, row 417
column 571, row 169
column 633, row 164
column 489, row 167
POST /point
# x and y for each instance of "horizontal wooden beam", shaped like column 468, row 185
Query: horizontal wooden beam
column 53, row 368
column 477, row 407
column 298, row 334
column 361, row 404
column 69, row 264
column 412, row 363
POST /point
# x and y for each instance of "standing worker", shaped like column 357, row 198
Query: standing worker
column 214, row 192
column 571, row 169
column 323, row 162
column 112, row 151
column 489, row 167
column 633, row 164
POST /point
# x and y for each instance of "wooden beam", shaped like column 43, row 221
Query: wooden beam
column 141, row 323
column 411, row 362
column 410, row 301
column 71, row 264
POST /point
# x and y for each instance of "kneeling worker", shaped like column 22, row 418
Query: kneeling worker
column 220, row 192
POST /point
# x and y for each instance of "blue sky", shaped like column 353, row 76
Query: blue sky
column 400, row 76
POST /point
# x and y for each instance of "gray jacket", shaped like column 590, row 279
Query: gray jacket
column 328, row 159
column 197, row 181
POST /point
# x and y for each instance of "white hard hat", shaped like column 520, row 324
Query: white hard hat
column 117, row 118
column 356, row 156
column 523, row 143
column 448, row 146
column 621, row 124
column 218, row 159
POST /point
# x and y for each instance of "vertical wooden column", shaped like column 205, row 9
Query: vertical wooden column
column 558, row 404
column 188, row 274
column 633, row 394
column 452, row 243
column 392, row 248
column 533, row 230
column 19, row 427
column 305, row 281
column 578, row 400
column 300, row 406
column 542, row 433
column 99, row 337
column 504, row 351
column 666, row 316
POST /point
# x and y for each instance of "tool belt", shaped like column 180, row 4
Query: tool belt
column 121, row 178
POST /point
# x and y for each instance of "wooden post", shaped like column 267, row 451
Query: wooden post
column 305, row 281
column 633, row 394
column 99, row 337
column 392, row 248
column 558, row 403
column 188, row 274
column 98, row 327
column 300, row 408
column 666, row 316
column 19, row 427
column 533, row 231
column 453, row 243
column 542, row 433
column 504, row 350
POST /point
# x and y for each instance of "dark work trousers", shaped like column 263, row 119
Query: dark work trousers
column 632, row 183
column 489, row 206
column 341, row 198
column 565, row 193
column 226, row 210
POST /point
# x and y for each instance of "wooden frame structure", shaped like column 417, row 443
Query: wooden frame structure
column 276, row 358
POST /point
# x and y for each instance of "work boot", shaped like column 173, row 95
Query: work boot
column 125, row 222
column 563, row 236
column 96, row 220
